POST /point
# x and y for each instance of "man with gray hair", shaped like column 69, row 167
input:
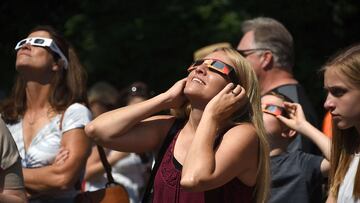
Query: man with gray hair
column 269, row 47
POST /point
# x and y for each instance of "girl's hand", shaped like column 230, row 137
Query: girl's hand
column 175, row 95
column 296, row 118
column 61, row 157
column 227, row 102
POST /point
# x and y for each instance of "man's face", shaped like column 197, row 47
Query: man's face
column 247, row 43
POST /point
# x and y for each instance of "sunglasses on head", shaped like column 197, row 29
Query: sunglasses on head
column 42, row 42
column 217, row 66
column 274, row 110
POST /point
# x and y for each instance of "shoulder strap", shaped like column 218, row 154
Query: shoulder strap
column 106, row 165
column 169, row 137
column 103, row 159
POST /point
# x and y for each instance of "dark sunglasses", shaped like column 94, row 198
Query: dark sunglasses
column 217, row 66
column 274, row 110
column 247, row 52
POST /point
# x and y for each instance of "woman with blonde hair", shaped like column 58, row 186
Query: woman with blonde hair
column 218, row 152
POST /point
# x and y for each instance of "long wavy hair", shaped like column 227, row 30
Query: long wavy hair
column 345, row 142
column 253, row 114
column 67, row 86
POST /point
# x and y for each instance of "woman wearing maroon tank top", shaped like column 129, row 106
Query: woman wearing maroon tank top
column 220, row 154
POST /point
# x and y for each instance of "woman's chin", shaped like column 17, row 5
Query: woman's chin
column 343, row 125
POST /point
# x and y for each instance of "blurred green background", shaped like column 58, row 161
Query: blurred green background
column 153, row 41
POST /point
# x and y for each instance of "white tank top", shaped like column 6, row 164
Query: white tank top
column 347, row 186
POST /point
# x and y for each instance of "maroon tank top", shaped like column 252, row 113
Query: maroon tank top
column 167, row 187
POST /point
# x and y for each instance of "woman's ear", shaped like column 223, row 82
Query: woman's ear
column 57, row 65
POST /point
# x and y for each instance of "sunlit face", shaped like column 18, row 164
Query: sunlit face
column 247, row 42
column 204, row 83
column 342, row 100
column 34, row 56
column 272, row 125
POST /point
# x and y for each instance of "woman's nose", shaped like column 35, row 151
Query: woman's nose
column 201, row 69
column 329, row 103
column 26, row 46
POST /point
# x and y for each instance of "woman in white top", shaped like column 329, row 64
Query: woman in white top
column 46, row 114
column 342, row 81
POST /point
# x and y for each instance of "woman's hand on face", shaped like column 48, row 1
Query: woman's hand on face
column 296, row 114
column 175, row 94
column 61, row 157
column 227, row 102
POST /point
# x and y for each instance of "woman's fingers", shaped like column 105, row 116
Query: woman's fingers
column 237, row 90
column 62, row 155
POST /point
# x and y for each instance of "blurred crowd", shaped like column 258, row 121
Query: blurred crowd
column 238, row 128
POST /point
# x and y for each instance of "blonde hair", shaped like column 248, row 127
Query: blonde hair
column 345, row 142
column 248, row 80
column 204, row 51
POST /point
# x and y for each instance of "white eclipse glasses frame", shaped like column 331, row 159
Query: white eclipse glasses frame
column 43, row 42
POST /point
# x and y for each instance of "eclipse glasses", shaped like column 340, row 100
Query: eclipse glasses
column 274, row 110
column 217, row 66
column 43, row 42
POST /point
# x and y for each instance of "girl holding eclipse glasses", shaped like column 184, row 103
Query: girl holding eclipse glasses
column 46, row 115
column 218, row 153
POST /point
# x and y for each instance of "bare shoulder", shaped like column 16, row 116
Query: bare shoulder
column 239, row 150
column 241, row 139
column 242, row 131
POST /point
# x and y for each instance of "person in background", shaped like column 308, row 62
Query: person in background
column 269, row 47
column 218, row 152
column 342, row 81
column 294, row 175
column 102, row 97
column 46, row 115
column 135, row 93
column 12, row 188
column 129, row 169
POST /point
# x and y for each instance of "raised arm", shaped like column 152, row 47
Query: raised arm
column 61, row 176
column 298, row 122
column 130, row 128
column 206, row 168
